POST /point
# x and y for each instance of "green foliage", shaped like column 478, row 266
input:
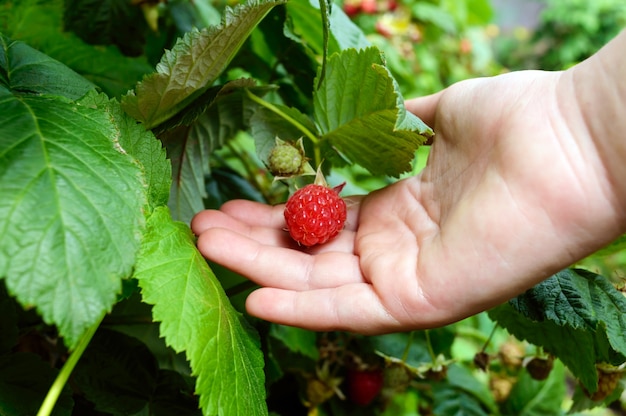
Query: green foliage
column 24, row 380
column 569, row 31
column 112, row 22
column 429, row 44
column 117, row 373
column 531, row 397
column 50, row 221
column 39, row 23
column 348, row 109
column 577, row 305
column 572, row 30
column 108, row 147
column 191, row 66
column 197, row 318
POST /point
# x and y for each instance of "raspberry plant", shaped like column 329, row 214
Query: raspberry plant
column 109, row 146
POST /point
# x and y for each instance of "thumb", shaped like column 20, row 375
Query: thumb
column 425, row 107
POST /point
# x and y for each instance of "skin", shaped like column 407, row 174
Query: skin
column 524, row 178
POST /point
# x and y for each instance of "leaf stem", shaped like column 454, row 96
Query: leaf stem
column 59, row 383
column 314, row 139
column 488, row 341
column 324, row 9
column 250, row 170
column 279, row 112
column 430, row 346
column 407, row 347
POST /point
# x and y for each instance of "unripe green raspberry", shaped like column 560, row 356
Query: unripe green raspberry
column 287, row 159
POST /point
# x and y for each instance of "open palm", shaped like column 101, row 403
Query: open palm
column 511, row 194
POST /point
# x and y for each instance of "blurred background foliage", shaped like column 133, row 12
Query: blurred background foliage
column 428, row 45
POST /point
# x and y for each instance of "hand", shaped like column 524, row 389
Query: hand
column 513, row 191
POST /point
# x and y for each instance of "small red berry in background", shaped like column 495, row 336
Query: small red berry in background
column 369, row 6
column 363, row 386
column 352, row 7
column 465, row 46
column 315, row 214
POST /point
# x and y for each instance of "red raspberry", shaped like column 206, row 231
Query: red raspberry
column 315, row 214
column 364, row 385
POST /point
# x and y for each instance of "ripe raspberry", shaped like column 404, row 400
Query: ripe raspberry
column 364, row 385
column 369, row 6
column 315, row 214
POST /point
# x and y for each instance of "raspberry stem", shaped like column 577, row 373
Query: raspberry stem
column 250, row 170
column 407, row 347
column 314, row 139
column 429, row 345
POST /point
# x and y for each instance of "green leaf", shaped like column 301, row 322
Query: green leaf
column 118, row 22
column 305, row 25
column 173, row 396
column 196, row 137
column 266, row 125
column 70, row 213
column 325, row 9
column 454, row 401
column 480, row 12
column 149, row 152
column 273, row 55
column 189, row 154
column 24, row 382
column 412, row 347
column 117, row 373
column 228, row 96
column 579, row 306
column 32, row 72
column 39, row 23
column 531, row 397
column 141, row 145
column 462, row 378
column 297, row 340
column 361, row 113
column 225, row 184
column 192, row 65
column 434, row 14
column 197, row 317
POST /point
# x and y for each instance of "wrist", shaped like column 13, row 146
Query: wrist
column 597, row 90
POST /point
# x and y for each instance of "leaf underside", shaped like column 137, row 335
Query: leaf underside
column 192, row 65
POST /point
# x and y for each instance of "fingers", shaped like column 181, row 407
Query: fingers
column 271, row 235
column 276, row 265
column 425, row 107
column 249, row 213
column 240, row 214
column 354, row 307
